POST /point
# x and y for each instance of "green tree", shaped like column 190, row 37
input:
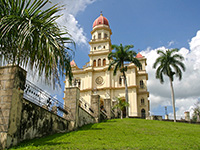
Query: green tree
column 196, row 113
column 169, row 64
column 30, row 37
column 121, row 104
column 122, row 55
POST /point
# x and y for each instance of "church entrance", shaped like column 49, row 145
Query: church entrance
column 143, row 114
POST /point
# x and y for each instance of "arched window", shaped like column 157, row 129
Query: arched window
column 142, row 101
column 121, row 80
column 94, row 48
column 140, row 68
column 99, row 62
column 94, row 37
column 99, row 36
column 94, row 63
column 143, row 114
column 141, row 84
column 104, row 62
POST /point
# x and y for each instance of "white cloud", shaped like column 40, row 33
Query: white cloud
column 186, row 90
column 72, row 8
column 74, row 29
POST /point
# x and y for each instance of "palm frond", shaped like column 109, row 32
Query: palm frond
column 168, row 64
column 29, row 36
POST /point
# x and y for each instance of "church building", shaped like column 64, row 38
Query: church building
column 94, row 77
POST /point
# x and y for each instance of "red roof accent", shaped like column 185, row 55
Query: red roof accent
column 139, row 55
column 101, row 20
column 72, row 63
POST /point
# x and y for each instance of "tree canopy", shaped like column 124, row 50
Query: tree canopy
column 122, row 55
column 119, row 57
column 169, row 64
column 30, row 37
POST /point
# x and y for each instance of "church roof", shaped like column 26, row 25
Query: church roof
column 101, row 20
column 139, row 55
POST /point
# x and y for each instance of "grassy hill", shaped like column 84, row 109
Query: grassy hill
column 123, row 134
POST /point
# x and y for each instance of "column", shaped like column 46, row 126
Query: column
column 71, row 101
column 107, row 106
column 95, row 104
column 12, row 82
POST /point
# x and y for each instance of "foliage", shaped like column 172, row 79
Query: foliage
column 29, row 36
column 121, row 55
column 121, row 104
column 118, row 59
column 169, row 65
column 123, row 134
column 196, row 113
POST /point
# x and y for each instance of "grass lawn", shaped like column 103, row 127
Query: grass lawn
column 123, row 134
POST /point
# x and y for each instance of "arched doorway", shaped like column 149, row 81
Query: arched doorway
column 143, row 114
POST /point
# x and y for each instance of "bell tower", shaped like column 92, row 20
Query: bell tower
column 100, row 44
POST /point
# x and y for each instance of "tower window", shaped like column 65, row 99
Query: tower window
column 142, row 101
column 104, row 47
column 94, row 48
column 94, row 63
column 104, row 62
column 94, row 37
column 99, row 36
column 99, row 62
column 140, row 68
column 141, row 84
column 105, row 36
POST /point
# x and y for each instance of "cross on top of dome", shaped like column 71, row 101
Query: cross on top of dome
column 101, row 20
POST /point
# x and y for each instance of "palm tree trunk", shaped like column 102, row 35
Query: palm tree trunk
column 173, row 100
column 121, row 114
column 126, row 92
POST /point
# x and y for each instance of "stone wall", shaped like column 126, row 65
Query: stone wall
column 21, row 119
column 12, row 80
column 33, row 121
column 103, row 116
column 85, row 117
column 37, row 122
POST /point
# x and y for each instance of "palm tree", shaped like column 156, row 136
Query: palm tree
column 30, row 37
column 169, row 64
column 121, row 104
column 118, row 60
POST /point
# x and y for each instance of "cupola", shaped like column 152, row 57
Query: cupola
column 101, row 21
column 139, row 55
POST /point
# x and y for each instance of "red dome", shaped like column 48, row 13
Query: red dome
column 139, row 55
column 72, row 63
column 101, row 20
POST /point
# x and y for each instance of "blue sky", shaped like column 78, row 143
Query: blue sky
column 143, row 23
column 148, row 25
